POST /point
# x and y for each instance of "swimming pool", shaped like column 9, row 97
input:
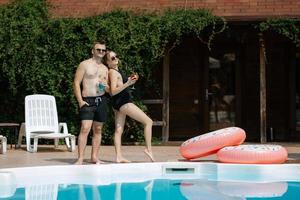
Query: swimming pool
column 178, row 180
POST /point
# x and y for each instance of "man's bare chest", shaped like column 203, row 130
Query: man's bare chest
column 94, row 72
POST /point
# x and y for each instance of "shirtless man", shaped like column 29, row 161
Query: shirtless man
column 92, row 75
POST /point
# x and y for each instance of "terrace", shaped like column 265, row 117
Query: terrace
column 47, row 155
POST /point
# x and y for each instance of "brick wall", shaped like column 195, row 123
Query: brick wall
column 232, row 9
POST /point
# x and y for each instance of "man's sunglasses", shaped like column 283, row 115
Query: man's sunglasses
column 114, row 57
column 101, row 50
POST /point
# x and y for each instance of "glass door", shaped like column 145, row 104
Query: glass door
column 186, row 105
column 221, row 92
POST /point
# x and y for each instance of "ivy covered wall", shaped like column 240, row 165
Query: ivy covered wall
column 39, row 54
column 288, row 27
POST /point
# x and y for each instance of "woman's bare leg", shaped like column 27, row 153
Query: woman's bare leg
column 119, row 128
column 137, row 114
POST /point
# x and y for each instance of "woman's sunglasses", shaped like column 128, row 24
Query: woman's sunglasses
column 113, row 58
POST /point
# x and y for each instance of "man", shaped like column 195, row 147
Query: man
column 92, row 76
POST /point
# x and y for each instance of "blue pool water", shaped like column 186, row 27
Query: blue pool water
column 152, row 181
column 172, row 189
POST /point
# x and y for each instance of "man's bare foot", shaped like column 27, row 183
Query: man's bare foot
column 122, row 160
column 149, row 154
column 78, row 162
column 97, row 162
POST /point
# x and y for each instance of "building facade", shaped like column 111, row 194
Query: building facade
column 247, row 79
column 231, row 9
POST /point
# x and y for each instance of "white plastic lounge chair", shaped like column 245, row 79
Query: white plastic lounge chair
column 41, row 121
column 3, row 142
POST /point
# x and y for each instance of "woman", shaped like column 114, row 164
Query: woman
column 123, row 106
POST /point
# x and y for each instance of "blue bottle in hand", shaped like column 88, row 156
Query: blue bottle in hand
column 101, row 87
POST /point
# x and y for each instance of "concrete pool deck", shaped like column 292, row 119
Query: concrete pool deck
column 47, row 155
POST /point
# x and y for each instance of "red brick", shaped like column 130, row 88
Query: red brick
column 4, row 2
column 81, row 8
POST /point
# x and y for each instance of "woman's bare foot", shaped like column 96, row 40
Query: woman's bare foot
column 149, row 154
column 97, row 162
column 122, row 160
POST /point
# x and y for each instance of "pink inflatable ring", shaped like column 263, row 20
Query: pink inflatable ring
column 211, row 142
column 253, row 154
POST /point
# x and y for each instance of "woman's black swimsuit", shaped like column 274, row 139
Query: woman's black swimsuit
column 122, row 97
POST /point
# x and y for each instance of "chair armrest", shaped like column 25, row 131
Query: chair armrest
column 63, row 125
